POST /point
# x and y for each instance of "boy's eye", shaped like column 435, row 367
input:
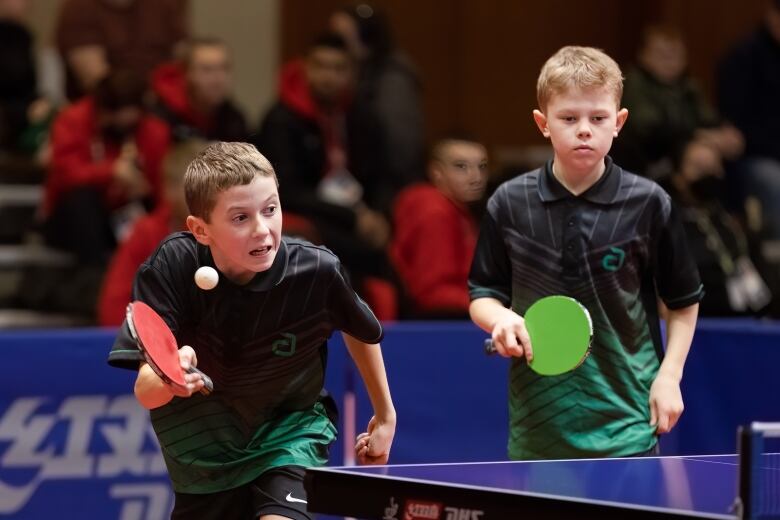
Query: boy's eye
column 599, row 119
column 270, row 210
column 239, row 218
column 569, row 119
column 483, row 166
column 461, row 165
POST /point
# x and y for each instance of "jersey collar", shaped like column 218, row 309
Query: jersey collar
column 603, row 192
column 262, row 281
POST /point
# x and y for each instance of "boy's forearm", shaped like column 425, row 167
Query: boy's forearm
column 485, row 312
column 680, row 326
column 150, row 390
column 370, row 364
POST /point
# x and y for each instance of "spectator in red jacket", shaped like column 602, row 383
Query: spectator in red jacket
column 146, row 234
column 193, row 95
column 105, row 166
column 436, row 231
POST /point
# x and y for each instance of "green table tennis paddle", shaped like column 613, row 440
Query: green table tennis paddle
column 561, row 332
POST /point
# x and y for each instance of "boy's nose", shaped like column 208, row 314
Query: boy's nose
column 261, row 228
column 583, row 131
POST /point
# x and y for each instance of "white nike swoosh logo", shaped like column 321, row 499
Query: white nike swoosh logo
column 291, row 498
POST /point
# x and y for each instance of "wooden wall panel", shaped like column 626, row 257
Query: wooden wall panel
column 479, row 59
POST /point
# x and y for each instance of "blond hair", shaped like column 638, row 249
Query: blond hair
column 218, row 167
column 578, row 67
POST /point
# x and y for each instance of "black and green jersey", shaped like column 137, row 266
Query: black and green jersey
column 615, row 248
column 264, row 346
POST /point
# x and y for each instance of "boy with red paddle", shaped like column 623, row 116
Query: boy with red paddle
column 580, row 226
column 261, row 335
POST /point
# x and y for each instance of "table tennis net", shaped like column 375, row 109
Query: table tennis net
column 759, row 472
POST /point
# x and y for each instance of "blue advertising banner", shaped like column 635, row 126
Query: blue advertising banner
column 74, row 443
column 73, row 440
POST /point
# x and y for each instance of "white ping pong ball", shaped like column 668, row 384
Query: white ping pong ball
column 206, row 278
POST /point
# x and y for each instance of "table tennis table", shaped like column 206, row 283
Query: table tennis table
column 620, row 488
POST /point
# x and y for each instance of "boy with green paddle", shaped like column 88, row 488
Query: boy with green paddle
column 582, row 227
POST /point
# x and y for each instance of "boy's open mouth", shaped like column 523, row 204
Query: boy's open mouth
column 260, row 251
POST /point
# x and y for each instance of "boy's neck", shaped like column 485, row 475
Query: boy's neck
column 577, row 182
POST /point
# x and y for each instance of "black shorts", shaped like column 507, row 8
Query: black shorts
column 276, row 492
column 655, row 451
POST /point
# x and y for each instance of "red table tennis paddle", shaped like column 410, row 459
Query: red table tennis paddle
column 561, row 331
column 159, row 347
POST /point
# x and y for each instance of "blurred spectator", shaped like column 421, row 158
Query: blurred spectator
column 748, row 92
column 106, row 155
column 95, row 36
column 723, row 249
column 667, row 111
column 146, row 234
column 23, row 115
column 436, row 232
column 328, row 171
column 388, row 87
column 193, row 95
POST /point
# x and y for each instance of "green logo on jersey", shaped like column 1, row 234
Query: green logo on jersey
column 614, row 260
column 284, row 347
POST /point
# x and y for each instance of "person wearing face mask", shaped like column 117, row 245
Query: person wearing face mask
column 748, row 82
column 668, row 110
column 729, row 262
column 105, row 167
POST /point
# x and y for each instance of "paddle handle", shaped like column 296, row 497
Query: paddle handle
column 208, row 384
column 490, row 349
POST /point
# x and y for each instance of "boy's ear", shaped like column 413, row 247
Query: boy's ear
column 622, row 116
column 434, row 171
column 541, row 122
column 198, row 228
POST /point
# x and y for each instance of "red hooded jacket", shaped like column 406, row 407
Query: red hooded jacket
column 169, row 83
column 81, row 157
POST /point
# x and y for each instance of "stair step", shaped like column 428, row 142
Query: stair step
column 25, row 319
column 14, row 256
column 20, row 195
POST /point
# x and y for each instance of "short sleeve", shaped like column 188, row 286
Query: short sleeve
column 490, row 274
column 676, row 275
column 154, row 288
column 350, row 313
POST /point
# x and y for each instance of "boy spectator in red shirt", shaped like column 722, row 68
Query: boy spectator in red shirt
column 436, row 232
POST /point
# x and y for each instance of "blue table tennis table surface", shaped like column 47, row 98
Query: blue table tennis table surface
column 651, row 487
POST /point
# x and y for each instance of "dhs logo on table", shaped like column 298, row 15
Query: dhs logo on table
column 80, row 456
column 458, row 513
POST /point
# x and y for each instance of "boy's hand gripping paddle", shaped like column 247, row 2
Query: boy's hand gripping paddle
column 159, row 347
column 561, row 331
